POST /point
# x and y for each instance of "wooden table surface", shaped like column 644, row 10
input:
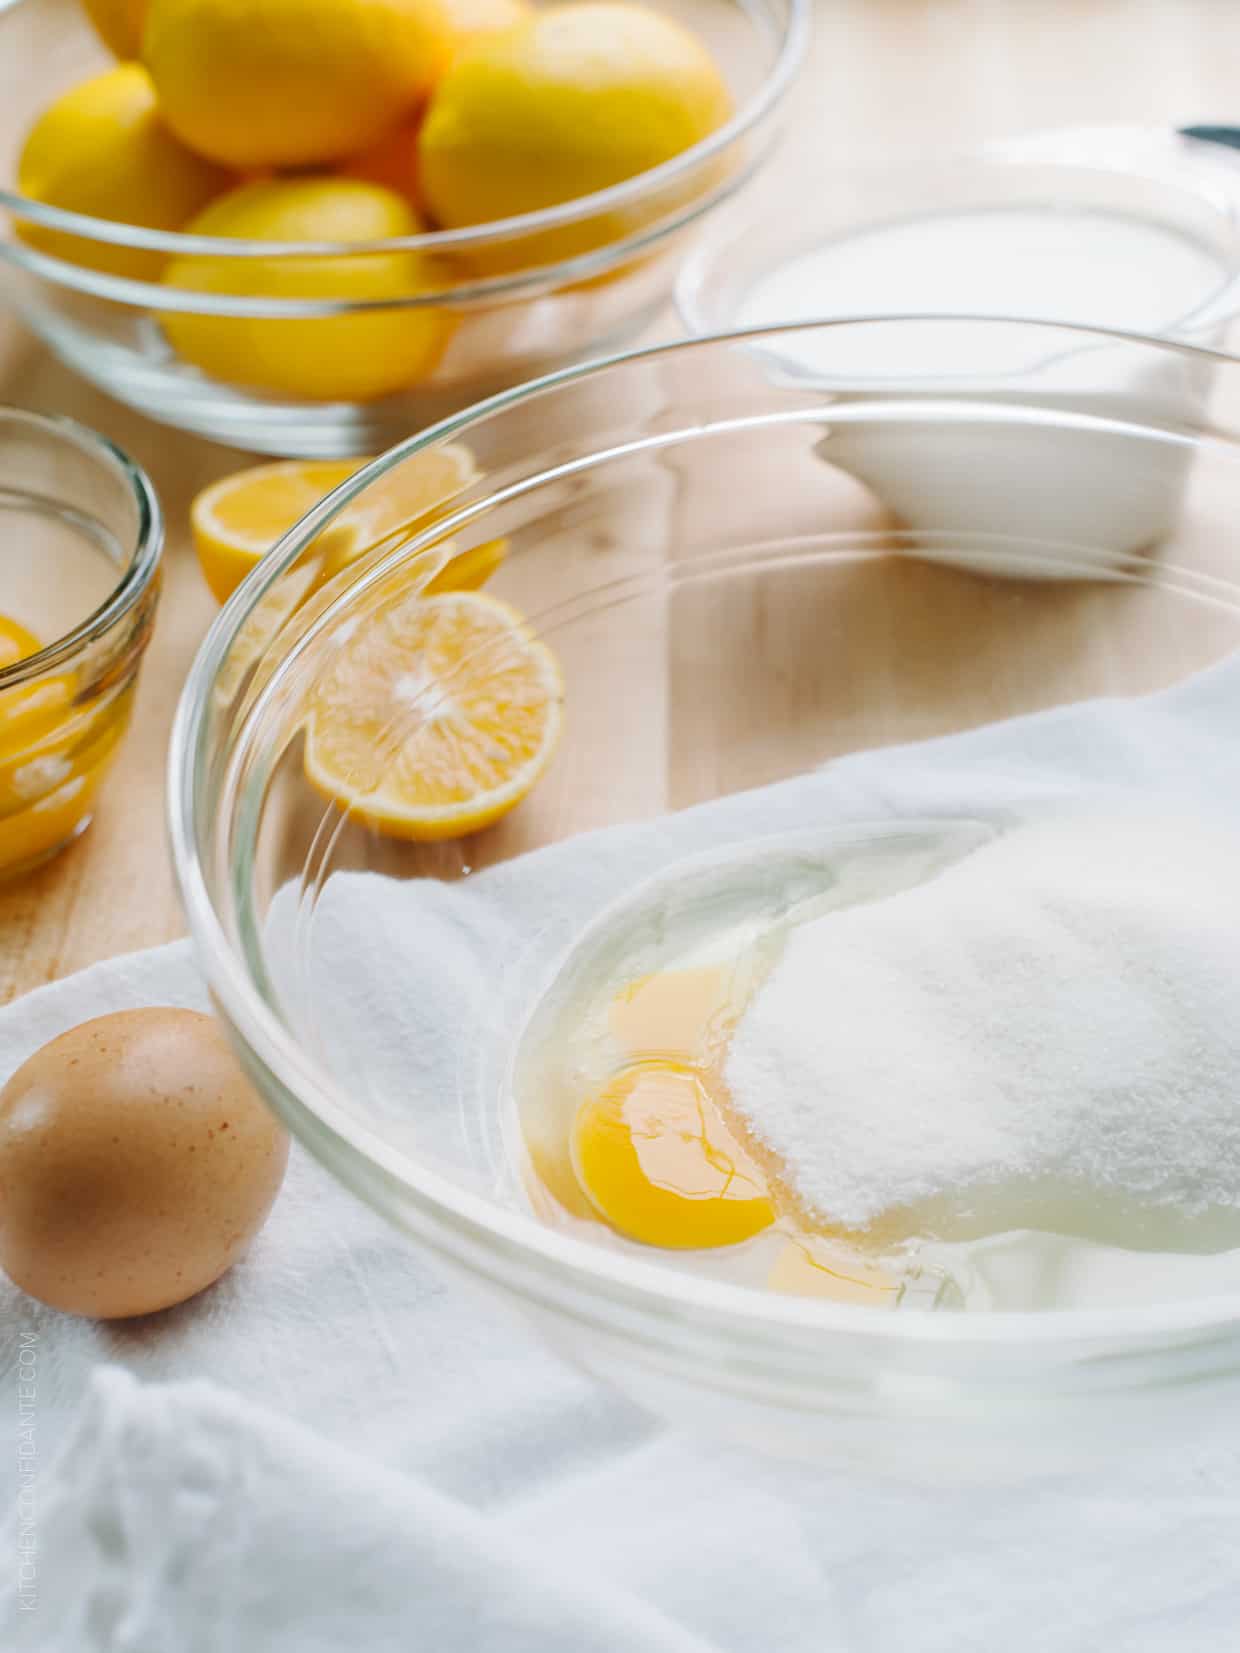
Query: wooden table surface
column 884, row 76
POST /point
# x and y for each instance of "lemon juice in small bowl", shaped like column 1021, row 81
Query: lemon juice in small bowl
column 82, row 539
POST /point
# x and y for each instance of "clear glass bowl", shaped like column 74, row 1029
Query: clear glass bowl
column 80, row 548
column 1177, row 191
column 502, row 301
column 700, row 533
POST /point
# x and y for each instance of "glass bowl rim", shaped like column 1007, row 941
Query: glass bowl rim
column 792, row 39
column 144, row 554
column 582, row 266
column 354, row 1153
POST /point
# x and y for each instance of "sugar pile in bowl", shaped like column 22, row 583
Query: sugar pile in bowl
column 1044, row 1037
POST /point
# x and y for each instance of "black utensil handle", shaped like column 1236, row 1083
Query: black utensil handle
column 1226, row 135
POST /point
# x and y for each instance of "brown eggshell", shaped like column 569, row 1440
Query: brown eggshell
column 136, row 1164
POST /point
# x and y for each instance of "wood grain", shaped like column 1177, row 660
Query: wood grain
column 885, row 77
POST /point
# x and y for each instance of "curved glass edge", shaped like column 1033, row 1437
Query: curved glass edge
column 510, row 1247
column 792, row 32
column 147, row 295
column 143, row 555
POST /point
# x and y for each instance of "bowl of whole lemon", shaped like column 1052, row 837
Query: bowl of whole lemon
column 306, row 226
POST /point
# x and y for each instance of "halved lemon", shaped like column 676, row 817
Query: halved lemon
column 239, row 518
column 436, row 717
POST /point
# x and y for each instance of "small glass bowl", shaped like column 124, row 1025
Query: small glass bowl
column 80, row 549
column 733, row 605
column 500, row 302
column 1181, row 187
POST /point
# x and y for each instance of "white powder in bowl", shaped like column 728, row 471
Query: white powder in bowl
column 1044, row 1033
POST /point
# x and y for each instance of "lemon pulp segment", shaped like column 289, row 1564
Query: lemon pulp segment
column 435, row 717
column 237, row 520
column 53, row 754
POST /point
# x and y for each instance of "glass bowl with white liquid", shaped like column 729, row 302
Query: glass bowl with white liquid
column 784, row 943
column 1127, row 227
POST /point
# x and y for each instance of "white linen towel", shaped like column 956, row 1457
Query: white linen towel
column 335, row 1447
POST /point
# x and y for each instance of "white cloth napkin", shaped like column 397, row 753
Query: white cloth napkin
column 335, row 1447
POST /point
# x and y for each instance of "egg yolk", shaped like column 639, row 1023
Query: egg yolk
column 677, row 1012
column 654, row 1154
column 808, row 1268
column 656, row 1159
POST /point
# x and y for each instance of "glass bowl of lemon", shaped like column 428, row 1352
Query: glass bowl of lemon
column 498, row 825
column 307, row 229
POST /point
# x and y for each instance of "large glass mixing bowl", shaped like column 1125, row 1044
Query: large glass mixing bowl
column 753, row 555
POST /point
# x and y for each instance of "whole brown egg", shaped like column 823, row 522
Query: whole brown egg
column 136, row 1164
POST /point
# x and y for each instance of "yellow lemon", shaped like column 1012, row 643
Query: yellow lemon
column 118, row 23
column 572, row 101
column 102, row 149
column 476, row 19
column 436, row 717
column 392, row 162
column 286, row 83
column 238, row 519
column 324, row 358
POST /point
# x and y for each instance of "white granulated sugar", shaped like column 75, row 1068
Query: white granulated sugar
column 1060, row 1011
